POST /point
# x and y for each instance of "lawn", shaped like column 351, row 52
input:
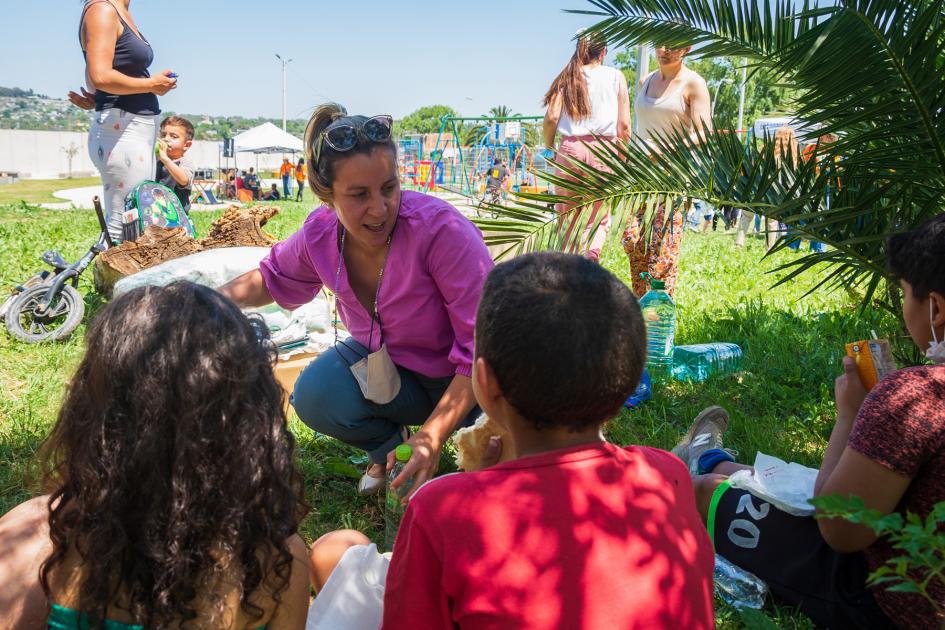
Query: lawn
column 780, row 404
column 41, row 190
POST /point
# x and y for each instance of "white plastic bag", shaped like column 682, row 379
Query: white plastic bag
column 353, row 597
column 312, row 319
column 216, row 267
column 212, row 268
column 787, row 486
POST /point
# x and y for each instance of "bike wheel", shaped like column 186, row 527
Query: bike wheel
column 61, row 318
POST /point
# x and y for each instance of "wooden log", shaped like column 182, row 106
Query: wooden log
column 241, row 227
column 236, row 227
column 152, row 248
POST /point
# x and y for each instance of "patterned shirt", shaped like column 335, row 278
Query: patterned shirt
column 901, row 426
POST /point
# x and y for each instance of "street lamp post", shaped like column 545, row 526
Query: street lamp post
column 741, row 96
column 285, row 62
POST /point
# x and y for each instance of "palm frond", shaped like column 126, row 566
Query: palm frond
column 871, row 71
column 739, row 28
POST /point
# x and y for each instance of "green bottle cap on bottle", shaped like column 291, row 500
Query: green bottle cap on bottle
column 657, row 284
column 403, row 452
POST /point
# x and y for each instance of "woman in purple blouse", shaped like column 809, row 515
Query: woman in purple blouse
column 407, row 270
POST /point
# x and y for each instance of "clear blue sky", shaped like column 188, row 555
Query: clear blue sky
column 372, row 56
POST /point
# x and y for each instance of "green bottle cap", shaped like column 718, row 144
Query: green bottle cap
column 403, row 452
column 657, row 284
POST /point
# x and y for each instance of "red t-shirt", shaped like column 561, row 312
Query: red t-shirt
column 901, row 426
column 595, row 536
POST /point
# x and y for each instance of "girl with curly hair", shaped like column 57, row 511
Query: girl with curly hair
column 173, row 499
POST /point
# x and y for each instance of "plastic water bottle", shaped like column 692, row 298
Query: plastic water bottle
column 736, row 586
column 393, row 508
column 659, row 315
column 698, row 361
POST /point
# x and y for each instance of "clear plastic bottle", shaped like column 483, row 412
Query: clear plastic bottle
column 659, row 315
column 737, row 587
column 697, row 361
column 393, row 508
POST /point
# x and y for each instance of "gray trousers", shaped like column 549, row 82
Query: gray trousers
column 329, row 401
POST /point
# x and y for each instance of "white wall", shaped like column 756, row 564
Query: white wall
column 41, row 155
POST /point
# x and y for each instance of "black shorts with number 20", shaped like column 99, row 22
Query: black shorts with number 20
column 791, row 556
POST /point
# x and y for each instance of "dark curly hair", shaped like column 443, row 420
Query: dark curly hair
column 564, row 337
column 918, row 257
column 170, row 467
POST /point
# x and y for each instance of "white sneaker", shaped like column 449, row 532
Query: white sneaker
column 369, row 485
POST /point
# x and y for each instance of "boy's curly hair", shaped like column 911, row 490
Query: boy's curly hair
column 171, row 466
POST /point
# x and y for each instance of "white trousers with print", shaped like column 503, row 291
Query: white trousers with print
column 121, row 146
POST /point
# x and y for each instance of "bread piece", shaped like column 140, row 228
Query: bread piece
column 471, row 443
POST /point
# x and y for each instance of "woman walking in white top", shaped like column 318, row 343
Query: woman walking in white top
column 672, row 97
column 588, row 103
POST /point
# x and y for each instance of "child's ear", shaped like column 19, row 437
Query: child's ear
column 938, row 308
column 487, row 386
column 188, row 144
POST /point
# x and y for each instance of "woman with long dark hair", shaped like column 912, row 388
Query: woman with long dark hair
column 124, row 96
column 588, row 104
column 173, row 498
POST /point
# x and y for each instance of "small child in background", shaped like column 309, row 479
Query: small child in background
column 272, row 194
column 174, row 169
column 574, row 532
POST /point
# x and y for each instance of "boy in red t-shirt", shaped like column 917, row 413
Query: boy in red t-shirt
column 887, row 447
column 574, row 532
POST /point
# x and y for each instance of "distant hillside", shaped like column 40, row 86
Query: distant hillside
column 15, row 91
column 23, row 109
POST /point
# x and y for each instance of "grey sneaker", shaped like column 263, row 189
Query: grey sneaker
column 704, row 434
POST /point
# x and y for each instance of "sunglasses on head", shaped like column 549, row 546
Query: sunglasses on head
column 343, row 135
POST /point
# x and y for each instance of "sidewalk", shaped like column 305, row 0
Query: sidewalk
column 82, row 198
column 75, row 198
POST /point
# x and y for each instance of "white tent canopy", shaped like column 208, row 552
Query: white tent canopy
column 267, row 138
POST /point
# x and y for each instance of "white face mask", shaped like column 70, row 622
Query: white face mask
column 936, row 351
column 377, row 376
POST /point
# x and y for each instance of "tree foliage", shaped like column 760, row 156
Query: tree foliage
column 871, row 71
column 424, row 120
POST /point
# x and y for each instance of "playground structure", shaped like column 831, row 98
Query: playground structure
column 449, row 164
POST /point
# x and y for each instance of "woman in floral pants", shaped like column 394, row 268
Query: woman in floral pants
column 659, row 257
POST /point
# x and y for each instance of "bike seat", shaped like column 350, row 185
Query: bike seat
column 55, row 260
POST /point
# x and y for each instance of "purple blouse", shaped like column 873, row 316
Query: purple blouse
column 430, row 291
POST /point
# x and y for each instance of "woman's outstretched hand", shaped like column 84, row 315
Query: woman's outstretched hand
column 423, row 462
column 86, row 100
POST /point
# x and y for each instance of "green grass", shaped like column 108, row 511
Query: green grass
column 780, row 404
column 41, row 190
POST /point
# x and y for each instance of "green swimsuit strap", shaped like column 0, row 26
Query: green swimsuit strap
column 62, row 618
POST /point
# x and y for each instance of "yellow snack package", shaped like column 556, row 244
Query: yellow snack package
column 873, row 358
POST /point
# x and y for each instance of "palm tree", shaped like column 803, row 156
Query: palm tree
column 870, row 71
column 501, row 111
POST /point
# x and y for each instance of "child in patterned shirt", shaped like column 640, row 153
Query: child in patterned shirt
column 887, row 447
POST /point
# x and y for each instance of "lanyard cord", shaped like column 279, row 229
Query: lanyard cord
column 377, row 293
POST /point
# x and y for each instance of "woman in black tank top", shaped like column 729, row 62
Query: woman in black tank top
column 124, row 97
